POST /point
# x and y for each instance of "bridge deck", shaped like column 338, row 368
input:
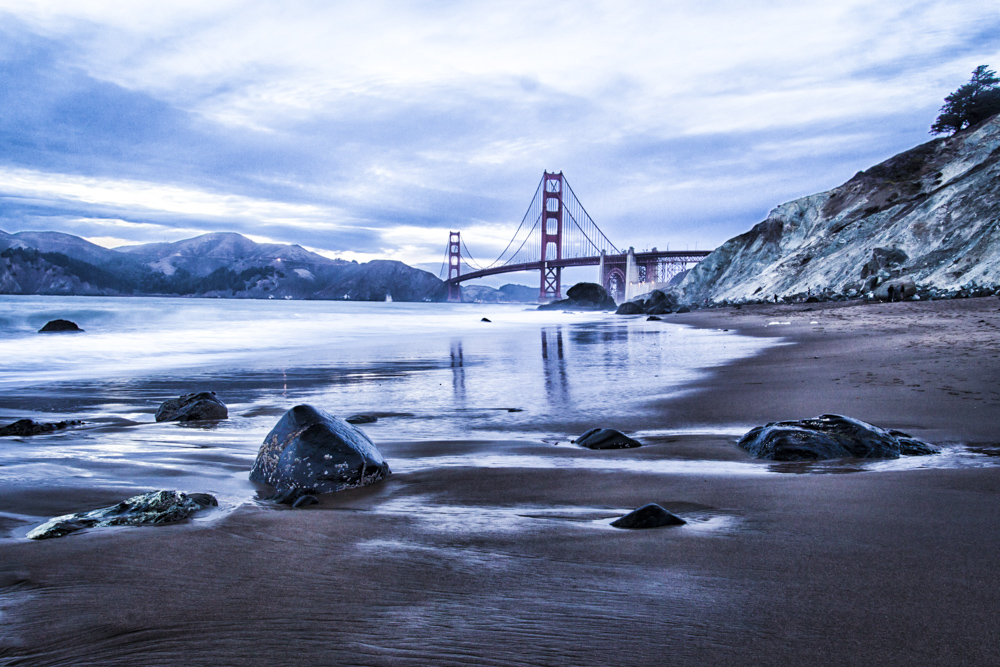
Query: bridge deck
column 640, row 258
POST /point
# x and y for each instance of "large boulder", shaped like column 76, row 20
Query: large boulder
column 315, row 452
column 192, row 407
column 582, row 296
column 156, row 507
column 606, row 438
column 26, row 427
column 60, row 326
column 830, row 437
column 648, row 516
column 630, row 308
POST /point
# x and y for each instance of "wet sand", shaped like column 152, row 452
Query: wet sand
column 512, row 561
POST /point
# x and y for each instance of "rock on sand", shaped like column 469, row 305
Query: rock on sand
column 315, row 452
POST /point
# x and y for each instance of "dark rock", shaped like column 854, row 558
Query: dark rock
column 648, row 516
column 582, row 296
column 309, row 449
column 830, row 437
column 630, row 308
column 654, row 318
column 606, row 438
column 812, row 299
column 361, row 419
column 192, row 407
column 683, row 309
column 486, row 319
column 156, row 507
column 58, row 326
column 25, row 427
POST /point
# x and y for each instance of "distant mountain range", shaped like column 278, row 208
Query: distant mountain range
column 223, row 265
column 930, row 215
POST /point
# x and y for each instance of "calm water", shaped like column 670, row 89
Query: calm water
column 432, row 371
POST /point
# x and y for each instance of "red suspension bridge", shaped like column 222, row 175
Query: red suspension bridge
column 556, row 233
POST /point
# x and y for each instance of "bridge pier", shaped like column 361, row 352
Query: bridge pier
column 454, row 266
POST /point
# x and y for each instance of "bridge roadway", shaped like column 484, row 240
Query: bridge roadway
column 641, row 258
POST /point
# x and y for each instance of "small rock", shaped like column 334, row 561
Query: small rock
column 629, row 308
column 60, row 326
column 654, row 318
column 648, row 516
column 683, row 309
column 486, row 319
column 27, row 427
column 192, row 407
column 606, row 438
column 361, row 419
column 156, row 507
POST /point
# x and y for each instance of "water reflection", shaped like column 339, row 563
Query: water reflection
column 457, row 372
column 554, row 367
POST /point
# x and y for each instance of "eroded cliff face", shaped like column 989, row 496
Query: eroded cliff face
column 930, row 214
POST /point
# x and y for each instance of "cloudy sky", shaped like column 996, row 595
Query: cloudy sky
column 370, row 129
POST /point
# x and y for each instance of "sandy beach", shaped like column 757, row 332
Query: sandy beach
column 839, row 563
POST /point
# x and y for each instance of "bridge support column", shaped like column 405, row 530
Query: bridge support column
column 552, row 228
column 631, row 275
column 454, row 266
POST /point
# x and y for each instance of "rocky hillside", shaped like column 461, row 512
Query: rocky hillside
column 930, row 214
column 213, row 265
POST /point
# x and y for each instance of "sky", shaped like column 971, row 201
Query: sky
column 369, row 130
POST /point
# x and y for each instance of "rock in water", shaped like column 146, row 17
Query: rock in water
column 151, row 508
column 24, row 427
column 648, row 516
column 192, row 407
column 606, row 438
column 830, row 437
column 59, row 326
column 361, row 419
column 311, row 450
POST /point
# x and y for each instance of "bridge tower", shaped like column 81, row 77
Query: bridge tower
column 454, row 265
column 552, row 228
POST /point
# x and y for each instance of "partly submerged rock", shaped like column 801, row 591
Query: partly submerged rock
column 60, row 326
column 25, row 427
column 486, row 319
column 192, row 407
column 361, row 419
column 155, row 507
column 830, row 437
column 606, row 438
column 648, row 516
column 309, row 449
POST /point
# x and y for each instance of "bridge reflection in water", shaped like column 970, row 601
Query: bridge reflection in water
column 557, row 233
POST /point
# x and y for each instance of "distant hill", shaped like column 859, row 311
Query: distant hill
column 930, row 214
column 214, row 265
column 509, row 293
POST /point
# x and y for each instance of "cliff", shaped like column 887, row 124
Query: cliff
column 930, row 214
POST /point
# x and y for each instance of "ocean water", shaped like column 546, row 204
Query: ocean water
column 431, row 372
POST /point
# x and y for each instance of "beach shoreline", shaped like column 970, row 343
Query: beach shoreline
column 515, row 564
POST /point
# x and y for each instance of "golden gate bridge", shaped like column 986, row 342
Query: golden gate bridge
column 555, row 233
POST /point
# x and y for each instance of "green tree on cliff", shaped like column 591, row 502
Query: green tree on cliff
column 971, row 104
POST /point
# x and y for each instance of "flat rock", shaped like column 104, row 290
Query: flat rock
column 830, row 437
column 156, row 507
column 606, row 438
column 361, row 419
column 313, row 451
column 60, row 326
column 26, row 427
column 192, row 407
column 648, row 516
